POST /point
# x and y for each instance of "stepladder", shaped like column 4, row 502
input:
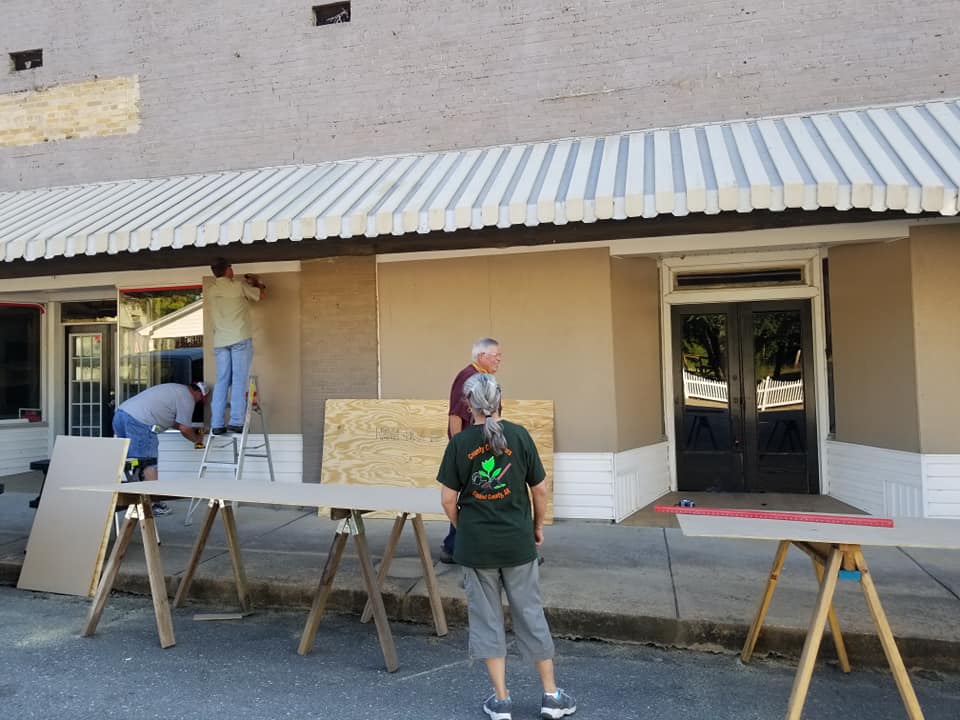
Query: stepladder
column 229, row 452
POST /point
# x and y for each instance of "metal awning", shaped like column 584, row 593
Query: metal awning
column 896, row 158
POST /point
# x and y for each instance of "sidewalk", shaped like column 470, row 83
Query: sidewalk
column 599, row 580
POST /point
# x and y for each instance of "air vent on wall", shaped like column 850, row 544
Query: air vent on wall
column 331, row 13
column 26, row 59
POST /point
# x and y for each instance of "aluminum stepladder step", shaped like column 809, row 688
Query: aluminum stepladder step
column 240, row 452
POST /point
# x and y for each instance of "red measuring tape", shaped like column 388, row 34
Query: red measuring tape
column 775, row 515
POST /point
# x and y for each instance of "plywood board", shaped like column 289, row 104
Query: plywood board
column 401, row 442
column 349, row 497
column 906, row 532
column 68, row 540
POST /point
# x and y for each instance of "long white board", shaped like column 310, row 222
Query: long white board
column 906, row 532
column 349, row 497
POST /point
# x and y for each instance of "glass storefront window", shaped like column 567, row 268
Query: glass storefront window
column 20, row 363
column 160, row 337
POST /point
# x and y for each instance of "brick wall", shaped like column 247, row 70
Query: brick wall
column 74, row 110
column 250, row 83
column 338, row 338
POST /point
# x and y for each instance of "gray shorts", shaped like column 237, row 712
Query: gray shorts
column 485, row 612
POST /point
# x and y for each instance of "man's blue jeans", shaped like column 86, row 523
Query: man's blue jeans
column 233, row 368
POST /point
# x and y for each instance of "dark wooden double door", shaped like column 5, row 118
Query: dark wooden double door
column 743, row 397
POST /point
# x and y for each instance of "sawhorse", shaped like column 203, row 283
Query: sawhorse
column 831, row 562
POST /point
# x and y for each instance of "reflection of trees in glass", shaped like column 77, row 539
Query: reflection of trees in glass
column 704, row 345
column 776, row 344
column 153, row 338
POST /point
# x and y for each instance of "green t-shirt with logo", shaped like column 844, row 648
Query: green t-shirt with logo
column 495, row 524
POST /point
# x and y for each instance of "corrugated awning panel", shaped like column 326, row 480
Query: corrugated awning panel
column 899, row 158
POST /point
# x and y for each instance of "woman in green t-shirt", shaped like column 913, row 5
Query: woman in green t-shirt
column 489, row 472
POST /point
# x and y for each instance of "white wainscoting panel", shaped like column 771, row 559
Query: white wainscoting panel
column 641, row 475
column 583, row 485
column 877, row 480
column 20, row 445
column 941, row 479
column 178, row 459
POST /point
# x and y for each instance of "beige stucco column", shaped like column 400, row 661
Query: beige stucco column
column 338, row 330
column 935, row 267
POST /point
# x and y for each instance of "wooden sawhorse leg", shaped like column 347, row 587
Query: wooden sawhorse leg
column 754, row 633
column 352, row 524
column 900, row 675
column 388, row 552
column 323, row 589
column 811, row 645
column 426, row 561
column 430, row 577
column 141, row 511
column 838, row 643
column 818, row 554
column 233, row 544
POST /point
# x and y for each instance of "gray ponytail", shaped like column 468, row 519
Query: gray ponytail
column 483, row 393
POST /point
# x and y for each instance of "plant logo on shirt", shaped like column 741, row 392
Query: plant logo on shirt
column 488, row 481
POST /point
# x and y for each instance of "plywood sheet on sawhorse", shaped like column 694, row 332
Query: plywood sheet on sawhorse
column 68, row 541
column 401, row 442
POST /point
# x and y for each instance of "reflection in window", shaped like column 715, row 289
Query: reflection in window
column 704, row 359
column 705, row 345
column 20, row 333
column 778, row 367
column 161, row 338
column 706, row 393
column 88, row 312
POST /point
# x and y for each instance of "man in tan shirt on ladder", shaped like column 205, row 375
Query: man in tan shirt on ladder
column 228, row 301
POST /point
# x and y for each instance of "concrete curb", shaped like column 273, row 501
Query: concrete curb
column 864, row 650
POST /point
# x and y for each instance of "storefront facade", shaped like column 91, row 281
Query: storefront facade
column 757, row 306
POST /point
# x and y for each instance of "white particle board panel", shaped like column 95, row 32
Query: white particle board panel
column 69, row 536
column 335, row 495
column 906, row 532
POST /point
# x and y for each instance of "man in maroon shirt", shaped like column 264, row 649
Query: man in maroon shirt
column 486, row 359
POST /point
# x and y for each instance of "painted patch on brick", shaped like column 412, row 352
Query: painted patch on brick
column 76, row 110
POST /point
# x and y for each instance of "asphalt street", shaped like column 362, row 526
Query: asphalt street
column 250, row 669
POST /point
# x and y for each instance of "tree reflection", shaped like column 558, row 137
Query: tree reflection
column 704, row 345
column 776, row 344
